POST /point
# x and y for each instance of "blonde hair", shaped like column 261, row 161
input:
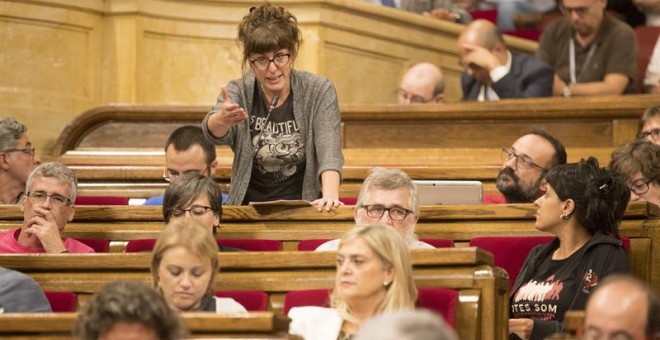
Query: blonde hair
column 191, row 236
column 393, row 253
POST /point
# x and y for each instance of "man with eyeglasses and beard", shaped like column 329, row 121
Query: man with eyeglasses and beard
column 525, row 164
column 592, row 52
column 17, row 160
column 387, row 196
column 47, row 207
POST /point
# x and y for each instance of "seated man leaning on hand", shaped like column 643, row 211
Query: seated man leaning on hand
column 387, row 196
column 47, row 207
column 492, row 72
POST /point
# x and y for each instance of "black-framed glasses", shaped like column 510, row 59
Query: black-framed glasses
column 396, row 213
column 654, row 134
column 171, row 176
column 580, row 11
column 39, row 197
column 29, row 150
column 262, row 63
column 466, row 66
column 640, row 186
column 522, row 161
column 195, row 211
column 413, row 98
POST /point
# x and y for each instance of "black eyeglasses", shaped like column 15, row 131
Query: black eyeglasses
column 30, row 150
column 640, row 186
column 262, row 63
column 654, row 134
column 415, row 99
column 522, row 161
column 580, row 11
column 171, row 176
column 396, row 213
column 39, row 197
column 195, row 211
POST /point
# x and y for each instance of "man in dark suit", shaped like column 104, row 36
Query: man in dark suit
column 493, row 73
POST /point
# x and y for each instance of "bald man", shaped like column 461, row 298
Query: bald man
column 491, row 72
column 623, row 307
column 423, row 83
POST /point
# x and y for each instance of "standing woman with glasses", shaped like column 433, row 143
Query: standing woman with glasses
column 282, row 124
column 638, row 164
column 194, row 196
column 582, row 206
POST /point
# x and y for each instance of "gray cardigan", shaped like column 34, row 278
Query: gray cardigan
column 316, row 110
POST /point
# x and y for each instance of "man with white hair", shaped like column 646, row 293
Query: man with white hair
column 387, row 196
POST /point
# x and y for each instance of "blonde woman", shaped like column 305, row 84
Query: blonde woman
column 184, row 267
column 374, row 276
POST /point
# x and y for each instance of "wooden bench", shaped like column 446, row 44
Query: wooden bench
column 262, row 325
column 138, row 173
column 483, row 289
column 578, row 122
column 290, row 225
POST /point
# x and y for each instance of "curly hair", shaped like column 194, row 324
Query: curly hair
column 268, row 28
column 129, row 302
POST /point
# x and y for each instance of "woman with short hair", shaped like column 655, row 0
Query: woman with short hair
column 184, row 266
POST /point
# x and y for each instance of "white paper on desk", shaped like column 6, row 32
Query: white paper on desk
column 292, row 203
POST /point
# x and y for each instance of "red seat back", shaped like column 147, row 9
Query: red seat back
column 252, row 245
column 99, row 245
column 252, row 300
column 440, row 300
column 62, row 301
column 488, row 14
column 146, row 245
column 310, row 297
column 647, row 36
column 439, row 242
column 101, row 200
column 509, row 252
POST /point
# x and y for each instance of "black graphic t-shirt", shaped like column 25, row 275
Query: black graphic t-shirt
column 279, row 162
column 548, row 294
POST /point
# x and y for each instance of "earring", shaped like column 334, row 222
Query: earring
column 564, row 217
column 386, row 284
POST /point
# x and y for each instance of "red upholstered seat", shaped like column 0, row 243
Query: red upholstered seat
column 99, row 245
column 312, row 244
column 146, row 245
column 488, row 14
column 101, row 200
column 62, row 301
column 647, row 36
column 252, row 300
column 509, row 252
column 440, row 300
column 527, row 33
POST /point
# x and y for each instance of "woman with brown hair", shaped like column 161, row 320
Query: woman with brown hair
column 281, row 124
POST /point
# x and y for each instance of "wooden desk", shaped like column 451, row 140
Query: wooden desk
column 264, row 325
column 577, row 122
column 483, row 289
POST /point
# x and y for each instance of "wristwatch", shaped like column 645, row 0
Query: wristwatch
column 567, row 91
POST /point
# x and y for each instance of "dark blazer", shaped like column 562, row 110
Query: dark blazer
column 528, row 78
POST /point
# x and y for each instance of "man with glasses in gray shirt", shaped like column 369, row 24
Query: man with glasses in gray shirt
column 17, row 160
column 387, row 196
column 525, row 164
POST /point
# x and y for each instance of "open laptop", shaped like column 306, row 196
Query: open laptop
column 434, row 192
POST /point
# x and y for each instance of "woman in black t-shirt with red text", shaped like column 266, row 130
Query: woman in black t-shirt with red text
column 582, row 206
